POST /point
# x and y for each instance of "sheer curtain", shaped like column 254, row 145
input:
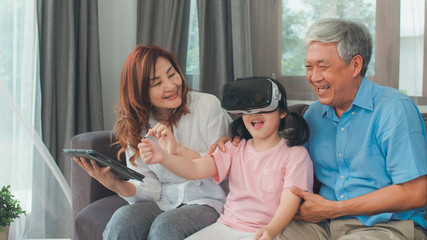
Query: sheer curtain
column 25, row 163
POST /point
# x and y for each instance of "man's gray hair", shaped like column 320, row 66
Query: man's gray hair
column 352, row 38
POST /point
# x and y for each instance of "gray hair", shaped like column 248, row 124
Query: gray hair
column 352, row 38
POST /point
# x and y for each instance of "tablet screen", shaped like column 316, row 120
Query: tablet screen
column 121, row 171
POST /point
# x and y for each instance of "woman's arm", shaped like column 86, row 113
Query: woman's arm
column 106, row 177
column 196, row 169
column 221, row 143
column 288, row 206
column 132, row 190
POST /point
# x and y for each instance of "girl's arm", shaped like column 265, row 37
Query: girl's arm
column 195, row 169
column 167, row 140
column 288, row 206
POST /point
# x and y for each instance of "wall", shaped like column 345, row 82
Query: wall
column 117, row 37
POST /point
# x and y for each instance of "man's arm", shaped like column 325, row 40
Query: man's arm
column 393, row 198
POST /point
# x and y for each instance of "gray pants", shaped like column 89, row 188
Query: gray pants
column 352, row 229
column 145, row 220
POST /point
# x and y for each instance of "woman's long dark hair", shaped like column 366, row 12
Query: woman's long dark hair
column 134, row 106
column 296, row 135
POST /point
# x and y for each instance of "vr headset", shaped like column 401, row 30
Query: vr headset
column 250, row 95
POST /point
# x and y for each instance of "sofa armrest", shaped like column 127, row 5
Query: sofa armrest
column 85, row 189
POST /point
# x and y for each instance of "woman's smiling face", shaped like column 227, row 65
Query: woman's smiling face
column 165, row 86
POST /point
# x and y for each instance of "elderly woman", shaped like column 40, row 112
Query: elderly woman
column 155, row 101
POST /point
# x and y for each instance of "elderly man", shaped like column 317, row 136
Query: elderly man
column 367, row 143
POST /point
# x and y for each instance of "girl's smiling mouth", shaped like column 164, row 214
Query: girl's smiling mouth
column 257, row 124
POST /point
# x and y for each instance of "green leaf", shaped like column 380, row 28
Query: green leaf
column 10, row 209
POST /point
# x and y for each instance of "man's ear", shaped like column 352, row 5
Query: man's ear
column 357, row 63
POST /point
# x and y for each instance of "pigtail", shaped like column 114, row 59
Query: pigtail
column 297, row 132
column 238, row 128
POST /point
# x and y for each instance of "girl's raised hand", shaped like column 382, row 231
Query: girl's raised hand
column 165, row 138
column 150, row 152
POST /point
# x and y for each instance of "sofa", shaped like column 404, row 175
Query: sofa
column 93, row 204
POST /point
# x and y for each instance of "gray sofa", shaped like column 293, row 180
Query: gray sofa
column 93, row 204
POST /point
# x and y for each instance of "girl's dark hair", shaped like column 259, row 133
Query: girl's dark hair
column 296, row 133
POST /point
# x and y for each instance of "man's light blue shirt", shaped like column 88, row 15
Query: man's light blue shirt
column 379, row 141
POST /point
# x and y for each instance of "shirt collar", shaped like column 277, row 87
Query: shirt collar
column 364, row 95
column 363, row 99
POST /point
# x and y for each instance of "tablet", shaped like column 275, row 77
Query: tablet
column 121, row 171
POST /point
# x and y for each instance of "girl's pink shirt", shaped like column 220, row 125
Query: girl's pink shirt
column 256, row 180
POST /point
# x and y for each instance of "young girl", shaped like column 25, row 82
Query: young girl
column 261, row 171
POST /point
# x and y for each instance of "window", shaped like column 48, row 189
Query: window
column 193, row 57
column 398, row 53
column 25, row 163
column 412, row 14
column 278, row 28
column 297, row 15
column 17, row 104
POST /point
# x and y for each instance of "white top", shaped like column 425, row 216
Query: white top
column 197, row 130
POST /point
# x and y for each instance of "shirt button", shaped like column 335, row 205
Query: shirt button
column 342, row 196
column 352, row 113
column 341, row 177
column 339, row 154
column 342, row 129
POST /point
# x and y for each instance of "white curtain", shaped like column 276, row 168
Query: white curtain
column 412, row 14
column 25, row 163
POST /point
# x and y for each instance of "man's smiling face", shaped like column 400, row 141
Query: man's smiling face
column 330, row 77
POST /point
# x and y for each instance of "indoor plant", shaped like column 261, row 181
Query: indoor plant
column 9, row 209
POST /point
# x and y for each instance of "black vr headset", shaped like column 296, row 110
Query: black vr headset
column 250, row 95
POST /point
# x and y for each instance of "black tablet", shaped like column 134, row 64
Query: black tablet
column 121, row 171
